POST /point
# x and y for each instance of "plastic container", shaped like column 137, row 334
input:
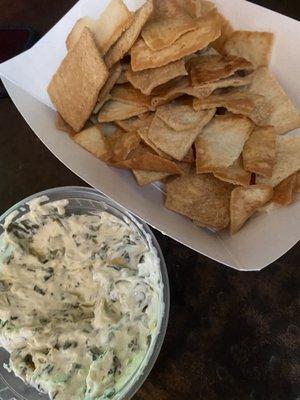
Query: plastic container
column 83, row 200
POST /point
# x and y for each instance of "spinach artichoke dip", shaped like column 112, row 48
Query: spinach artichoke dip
column 80, row 300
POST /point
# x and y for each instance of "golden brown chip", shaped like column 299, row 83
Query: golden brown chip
column 181, row 86
column 283, row 193
column 125, row 42
column 115, row 110
column 146, row 177
column 61, row 125
column 235, row 174
column 114, row 74
column 115, row 19
column 284, row 117
column 226, row 31
column 255, row 47
column 259, row 151
column 148, row 79
column 193, row 7
column 144, row 158
column 250, row 105
column 143, row 132
column 122, row 143
column 176, row 143
column 287, row 160
column 75, row 86
column 126, row 93
column 142, row 57
column 179, row 115
column 133, row 124
column 211, row 68
column 166, row 25
column 94, row 141
column 245, row 201
column 221, row 142
column 203, row 198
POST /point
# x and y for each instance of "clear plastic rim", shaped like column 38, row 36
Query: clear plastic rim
column 88, row 193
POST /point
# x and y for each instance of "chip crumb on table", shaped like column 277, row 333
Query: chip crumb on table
column 190, row 100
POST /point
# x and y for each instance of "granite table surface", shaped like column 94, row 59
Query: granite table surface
column 231, row 335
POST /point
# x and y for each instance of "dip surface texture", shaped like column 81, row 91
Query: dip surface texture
column 79, row 300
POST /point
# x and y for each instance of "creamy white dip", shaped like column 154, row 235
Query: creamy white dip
column 80, row 300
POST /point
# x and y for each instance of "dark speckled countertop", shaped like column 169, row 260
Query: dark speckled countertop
column 231, row 335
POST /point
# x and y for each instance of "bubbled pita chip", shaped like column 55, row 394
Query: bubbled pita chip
column 93, row 140
column 259, row 151
column 115, row 110
column 125, row 42
column 221, row 142
column 75, row 86
column 126, row 93
column 145, row 159
column 287, row 160
column 176, row 143
column 235, row 174
column 179, row 116
column 245, row 201
column 148, row 79
column 114, row 74
column 211, row 68
column 283, row 192
column 284, row 116
column 115, row 19
column 255, row 47
column 166, row 25
column 142, row 57
column 250, row 105
column 202, row 197
column 122, row 143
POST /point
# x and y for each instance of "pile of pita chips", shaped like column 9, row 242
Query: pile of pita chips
column 173, row 93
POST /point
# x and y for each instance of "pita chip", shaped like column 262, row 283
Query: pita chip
column 125, row 42
column 284, row 116
column 179, row 115
column 115, row 110
column 115, row 19
column 255, row 47
column 203, row 198
column 176, row 143
column 166, row 25
column 297, row 183
column 259, row 151
column 61, row 125
column 133, row 124
column 93, row 140
column 148, row 79
column 122, row 143
column 245, row 201
column 146, row 177
column 128, row 94
column 287, row 160
column 221, row 142
column 283, row 192
column 144, row 158
column 250, row 105
column 114, row 74
column 211, row 68
column 235, row 174
column 75, row 86
column 226, row 32
column 142, row 57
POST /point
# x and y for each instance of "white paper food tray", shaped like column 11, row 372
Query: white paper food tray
column 260, row 242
